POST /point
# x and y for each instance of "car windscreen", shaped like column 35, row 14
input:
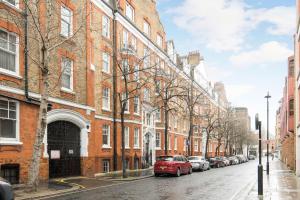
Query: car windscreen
column 194, row 158
column 164, row 158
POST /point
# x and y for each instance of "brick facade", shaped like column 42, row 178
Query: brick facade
column 83, row 105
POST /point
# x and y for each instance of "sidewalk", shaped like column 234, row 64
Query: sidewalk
column 282, row 184
column 72, row 184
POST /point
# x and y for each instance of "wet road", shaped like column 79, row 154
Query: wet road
column 215, row 184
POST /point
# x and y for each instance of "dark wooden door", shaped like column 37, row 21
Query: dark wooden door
column 63, row 149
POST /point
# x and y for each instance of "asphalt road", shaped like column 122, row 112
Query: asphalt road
column 216, row 184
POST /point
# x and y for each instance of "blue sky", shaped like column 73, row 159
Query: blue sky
column 245, row 44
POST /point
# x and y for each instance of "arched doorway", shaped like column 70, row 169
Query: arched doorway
column 63, row 149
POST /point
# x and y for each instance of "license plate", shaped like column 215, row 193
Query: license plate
column 162, row 167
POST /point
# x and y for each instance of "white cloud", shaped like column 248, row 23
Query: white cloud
column 222, row 25
column 268, row 53
column 216, row 73
column 237, row 91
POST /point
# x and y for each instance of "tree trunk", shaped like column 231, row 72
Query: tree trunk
column 33, row 174
column 206, row 145
column 124, row 173
column 166, row 129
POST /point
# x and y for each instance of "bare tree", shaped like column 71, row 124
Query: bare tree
column 40, row 23
column 168, row 91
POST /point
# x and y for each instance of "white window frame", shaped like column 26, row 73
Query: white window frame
column 71, row 77
column 147, row 94
column 70, row 24
column 16, row 140
column 196, row 145
column 105, row 61
column 158, row 115
column 175, row 143
column 108, row 136
column 16, row 2
column 146, row 59
column 127, row 137
column 136, row 138
column 125, row 39
column 136, row 74
column 125, row 69
column 158, row 139
column 159, row 40
column 148, row 119
column 147, row 28
column 134, row 43
column 105, row 26
column 169, row 142
column 107, row 166
column 15, row 73
column 127, row 102
column 129, row 15
column 104, row 98
column 136, row 101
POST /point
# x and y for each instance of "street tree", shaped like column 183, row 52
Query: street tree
column 44, row 34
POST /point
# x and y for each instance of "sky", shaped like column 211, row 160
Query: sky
column 245, row 45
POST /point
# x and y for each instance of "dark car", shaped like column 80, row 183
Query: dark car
column 216, row 162
column 174, row 165
column 6, row 191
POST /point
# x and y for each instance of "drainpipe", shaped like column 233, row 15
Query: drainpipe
column 26, row 53
column 115, row 154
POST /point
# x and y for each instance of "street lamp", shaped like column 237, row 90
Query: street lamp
column 267, row 97
column 260, row 167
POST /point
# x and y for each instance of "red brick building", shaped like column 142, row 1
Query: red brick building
column 83, row 135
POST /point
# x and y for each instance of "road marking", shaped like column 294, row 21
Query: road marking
column 247, row 188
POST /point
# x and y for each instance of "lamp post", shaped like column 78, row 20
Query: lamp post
column 260, row 167
column 267, row 97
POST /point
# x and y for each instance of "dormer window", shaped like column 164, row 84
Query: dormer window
column 129, row 12
column 146, row 28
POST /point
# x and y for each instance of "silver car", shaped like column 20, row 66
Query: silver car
column 199, row 163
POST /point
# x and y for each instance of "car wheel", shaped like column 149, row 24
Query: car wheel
column 190, row 171
column 178, row 173
column 156, row 175
column 218, row 165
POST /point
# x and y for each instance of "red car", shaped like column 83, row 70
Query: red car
column 174, row 165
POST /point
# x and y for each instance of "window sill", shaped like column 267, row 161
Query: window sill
column 66, row 36
column 107, row 73
column 127, row 148
column 12, row 74
column 127, row 112
column 137, row 148
column 157, row 148
column 106, row 147
column 14, row 143
column 137, row 114
column 106, row 109
column 67, row 90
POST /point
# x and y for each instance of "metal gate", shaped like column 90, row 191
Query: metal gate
column 63, row 149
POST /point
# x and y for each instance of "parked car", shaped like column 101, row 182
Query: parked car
column 6, row 191
column 172, row 165
column 233, row 160
column 251, row 157
column 226, row 161
column 216, row 162
column 199, row 163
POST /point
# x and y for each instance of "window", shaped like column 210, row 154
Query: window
column 133, row 43
column 146, row 94
column 146, row 28
column 66, row 21
column 157, row 87
column 169, row 142
column 136, row 105
column 185, row 144
column 13, row 2
column 67, row 74
column 136, row 138
column 195, row 129
column 175, row 143
column 157, row 140
column 105, row 63
column 106, row 99
column 125, row 39
column 157, row 115
column 196, row 145
column 105, row 166
column 146, row 58
column 127, row 102
column 106, row 136
column 136, row 73
column 126, row 134
column 8, row 120
column 159, row 40
column 125, row 69
column 9, row 48
column 10, row 172
column 148, row 119
column 105, row 26
column 291, row 107
column 175, row 121
column 129, row 11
